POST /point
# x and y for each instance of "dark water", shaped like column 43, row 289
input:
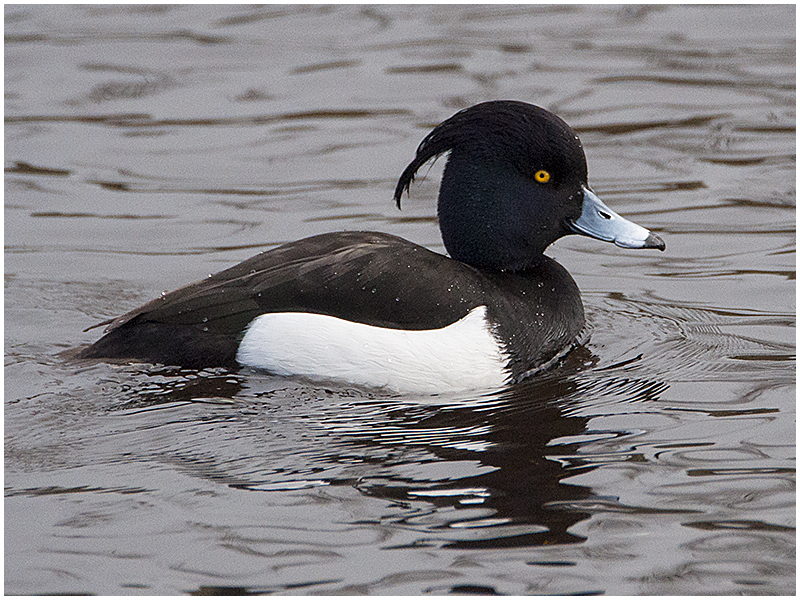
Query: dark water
column 148, row 146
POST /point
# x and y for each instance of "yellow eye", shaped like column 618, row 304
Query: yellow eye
column 542, row 176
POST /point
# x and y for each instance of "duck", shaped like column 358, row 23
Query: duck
column 371, row 309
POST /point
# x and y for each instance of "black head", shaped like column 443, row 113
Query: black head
column 514, row 182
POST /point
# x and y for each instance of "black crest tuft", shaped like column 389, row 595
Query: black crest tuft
column 516, row 129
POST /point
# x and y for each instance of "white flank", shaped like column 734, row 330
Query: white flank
column 462, row 356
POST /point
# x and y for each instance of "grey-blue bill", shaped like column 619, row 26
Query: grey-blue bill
column 600, row 222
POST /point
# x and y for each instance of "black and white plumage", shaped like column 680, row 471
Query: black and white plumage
column 377, row 310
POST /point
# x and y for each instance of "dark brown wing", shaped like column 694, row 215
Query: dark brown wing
column 342, row 274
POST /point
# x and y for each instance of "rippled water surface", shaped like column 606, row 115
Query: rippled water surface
column 146, row 147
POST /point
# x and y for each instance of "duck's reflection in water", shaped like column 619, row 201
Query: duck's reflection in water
column 480, row 472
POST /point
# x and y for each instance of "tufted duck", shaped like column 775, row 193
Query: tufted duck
column 376, row 310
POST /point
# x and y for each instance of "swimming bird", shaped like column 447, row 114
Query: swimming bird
column 376, row 310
